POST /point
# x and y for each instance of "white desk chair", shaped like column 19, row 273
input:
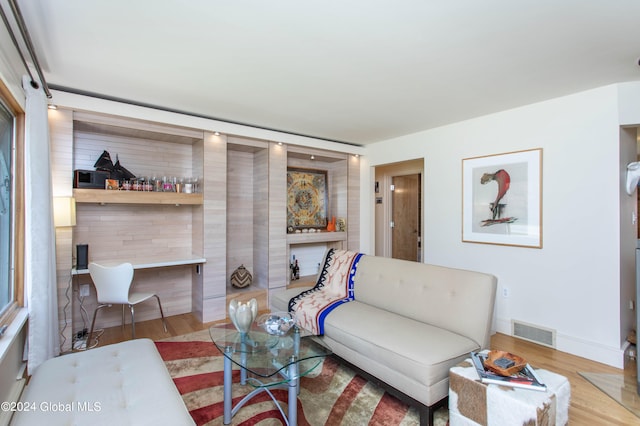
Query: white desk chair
column 112, row 286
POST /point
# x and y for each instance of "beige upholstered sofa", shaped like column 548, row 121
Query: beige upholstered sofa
column 409, row 323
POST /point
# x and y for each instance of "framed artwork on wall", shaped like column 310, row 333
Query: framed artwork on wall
column 306, row 198
column 502, row 199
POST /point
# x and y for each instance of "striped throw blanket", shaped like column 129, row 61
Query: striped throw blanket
column 334, row 287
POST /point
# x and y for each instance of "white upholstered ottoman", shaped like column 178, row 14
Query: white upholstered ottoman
column 122, row 384
column 474, row 403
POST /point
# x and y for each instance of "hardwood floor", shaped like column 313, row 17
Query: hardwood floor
column 176, row 326
column 589, row 405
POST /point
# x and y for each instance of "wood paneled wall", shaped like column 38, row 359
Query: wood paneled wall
column 240, row 208
column 260, row 246
column 242, row 219
column 278, row 262
column 135, row 233
column 197, row 236
column 210, row 299
column 142, row 157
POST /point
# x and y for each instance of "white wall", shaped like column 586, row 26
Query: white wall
column 628, row 230
column 572, row 284
column 11, row 68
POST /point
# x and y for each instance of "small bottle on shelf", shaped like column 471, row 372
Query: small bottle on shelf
column 167, row 184
column 295, row 269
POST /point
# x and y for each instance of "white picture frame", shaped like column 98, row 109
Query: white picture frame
column 513, row 181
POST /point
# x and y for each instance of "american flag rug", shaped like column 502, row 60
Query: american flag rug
column 330, row 395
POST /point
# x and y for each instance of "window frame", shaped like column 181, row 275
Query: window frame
column 18, row 234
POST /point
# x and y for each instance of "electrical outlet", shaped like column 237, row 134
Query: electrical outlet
column 505, row 292
column 84, row 290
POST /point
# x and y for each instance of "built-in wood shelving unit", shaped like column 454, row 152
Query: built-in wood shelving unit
column 239, row 217
column 308, row 247
column 103, row 196
column 315, row 237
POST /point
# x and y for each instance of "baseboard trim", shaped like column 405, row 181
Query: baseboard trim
column 14, row 396
column 583, row 348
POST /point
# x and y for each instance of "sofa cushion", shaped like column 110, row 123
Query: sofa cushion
column 454, row 299
column 401, row 343
column 414, row 349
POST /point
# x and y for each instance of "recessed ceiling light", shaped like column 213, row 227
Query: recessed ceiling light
column 313, row 157
column 216, row 133
column 52, row 106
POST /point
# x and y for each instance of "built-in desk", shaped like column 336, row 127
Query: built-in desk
column 147, row 264
column 173, row 285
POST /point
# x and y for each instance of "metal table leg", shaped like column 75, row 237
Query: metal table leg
column 227, row 386
column 292, row 402
column 243, row 358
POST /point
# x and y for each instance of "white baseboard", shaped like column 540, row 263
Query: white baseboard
column 583, row 348
column 14, row 396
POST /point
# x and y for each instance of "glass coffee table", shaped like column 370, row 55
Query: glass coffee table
column 266, row 362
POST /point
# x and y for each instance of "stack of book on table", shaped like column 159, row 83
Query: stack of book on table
column 525, row 378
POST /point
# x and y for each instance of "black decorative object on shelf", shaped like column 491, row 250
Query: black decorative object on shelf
column 295, row 269
column 82, row 256
column 116, row 171
column 104, row 162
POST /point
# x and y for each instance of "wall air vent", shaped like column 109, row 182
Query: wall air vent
column 533, row 333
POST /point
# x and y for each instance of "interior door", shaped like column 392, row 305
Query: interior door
column 406, row 232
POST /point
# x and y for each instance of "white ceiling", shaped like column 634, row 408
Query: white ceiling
column 354, row 71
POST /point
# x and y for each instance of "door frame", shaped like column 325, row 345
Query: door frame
column 383, row 175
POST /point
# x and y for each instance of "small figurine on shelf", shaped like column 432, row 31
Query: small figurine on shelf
column 295, row 269
column 292, row 269
column 331, row 226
